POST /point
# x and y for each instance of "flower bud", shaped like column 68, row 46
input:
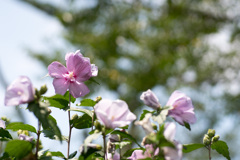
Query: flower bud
column 25, row 132
column 211, row 133
column 49, row 154
column 43, row 89
column 154, row 126
column 215, row 138
column 99, row 98
column 150, row 99
column 206, row 140
column 74, row 117
column 97, row 125
column 4, row 118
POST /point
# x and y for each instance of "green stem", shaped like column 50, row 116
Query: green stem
column 70, row 127
column 38, row 137
column 209, row 152
column 104, row 145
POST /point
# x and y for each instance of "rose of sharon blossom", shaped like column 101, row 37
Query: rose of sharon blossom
column 183, row 110
column 113, row 114
column 19, row 92
column 140, row 154
column 78, row 70
column 169, row 152
column 150, row 99
column 2, row 124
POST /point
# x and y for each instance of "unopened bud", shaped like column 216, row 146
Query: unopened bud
column 43, row 89
column 154, row 126
column 99, row 98
column 4, row 118
column 150, row 99
column 74, row 117
column 25, row 132
column 211, row 133
column 49, row 154
column 206, row 140
column 215, row 138
column 97, row 125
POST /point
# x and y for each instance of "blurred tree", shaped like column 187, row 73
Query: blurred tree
column 147, row 43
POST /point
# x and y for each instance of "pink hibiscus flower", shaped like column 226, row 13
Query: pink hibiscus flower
column 78, row 70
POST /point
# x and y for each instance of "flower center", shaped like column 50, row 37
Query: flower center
column 112, row 118
column 19, row 93
column 70, row 75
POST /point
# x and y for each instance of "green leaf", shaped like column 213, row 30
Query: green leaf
column 72, row 155
column 90, row 113
column 40, row 110
column 15, row 126
column 66, row 96
column 126, row 135
column 191, row 147
column 222, row 148
column 87, row 102
column 84, row 121
column 5, row 134
column 18, row 148
column 54, row 128
column 58, row 101
column 57, row 154
column 144, row 113
column 93, row 80
column 187, row 126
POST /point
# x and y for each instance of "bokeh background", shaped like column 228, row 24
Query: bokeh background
column 163, row 45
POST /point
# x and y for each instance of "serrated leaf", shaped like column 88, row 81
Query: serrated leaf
column 53, row 126
column 18, row 148
column 5, row 134
column 87, row 103
column 126, row 135
column 90, row 113
column 222, row 148
column 191, row 147
column 72, row 155
column 15, row 126
column 40, row 110
column 84, row 121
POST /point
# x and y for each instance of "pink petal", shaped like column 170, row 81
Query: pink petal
column 78, row 89
column 170, row 130
column 19, row 92
column 79, row 65
column 57, row 70
column 60, row 85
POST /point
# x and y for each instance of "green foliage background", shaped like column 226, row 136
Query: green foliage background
column 145, row 44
